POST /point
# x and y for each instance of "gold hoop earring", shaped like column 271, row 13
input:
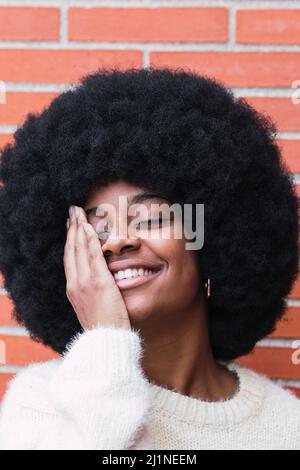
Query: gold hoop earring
column 207, row 287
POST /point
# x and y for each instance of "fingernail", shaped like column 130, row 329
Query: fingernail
column 71, row 211
column 77, row 211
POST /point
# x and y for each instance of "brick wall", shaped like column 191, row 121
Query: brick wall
column 252, row 46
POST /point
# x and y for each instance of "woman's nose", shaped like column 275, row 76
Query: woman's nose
column 118, row 245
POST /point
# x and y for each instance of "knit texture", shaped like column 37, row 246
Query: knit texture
column 98, row 397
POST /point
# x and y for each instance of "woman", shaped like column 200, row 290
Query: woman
column 148, row 330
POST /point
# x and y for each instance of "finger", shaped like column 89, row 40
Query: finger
column 98, row 265
column 81, row 253
column 69, row 253
column 82, row 215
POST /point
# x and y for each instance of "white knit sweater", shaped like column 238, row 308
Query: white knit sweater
column 97, row 397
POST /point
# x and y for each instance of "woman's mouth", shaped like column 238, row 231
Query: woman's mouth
column 129, row 278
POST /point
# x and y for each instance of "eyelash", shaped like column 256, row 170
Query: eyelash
column 160, row 220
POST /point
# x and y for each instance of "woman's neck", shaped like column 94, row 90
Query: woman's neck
column 177, row 355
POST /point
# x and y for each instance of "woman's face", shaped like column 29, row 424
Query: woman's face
column 132, row 247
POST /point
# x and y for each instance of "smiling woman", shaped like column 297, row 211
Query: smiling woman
column 150, row 258
column 148, row 329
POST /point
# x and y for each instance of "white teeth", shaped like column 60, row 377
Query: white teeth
column 128, row 273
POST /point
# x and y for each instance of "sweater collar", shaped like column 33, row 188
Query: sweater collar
column 246, row 402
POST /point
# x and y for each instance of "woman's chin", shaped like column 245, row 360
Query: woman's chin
column 137, row 312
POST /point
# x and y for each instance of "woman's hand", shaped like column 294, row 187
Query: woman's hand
column 90, row 287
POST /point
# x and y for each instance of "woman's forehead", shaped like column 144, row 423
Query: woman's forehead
column 118, row 192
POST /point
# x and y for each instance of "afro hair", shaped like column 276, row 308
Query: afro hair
column 168, row 130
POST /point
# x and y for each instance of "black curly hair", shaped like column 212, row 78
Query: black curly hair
column 173, row 131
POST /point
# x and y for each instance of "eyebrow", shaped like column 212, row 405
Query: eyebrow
column 136, row 199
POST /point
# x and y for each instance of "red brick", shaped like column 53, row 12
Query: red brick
column 283, row 111
column 148, row 24
column 236, row 69
column 18, row 104
column 29, row 24
column 295, row 390
column 295, row 294
column 6, row 308
column 4, row 139
column 4, row 379
column 289, row 325
column 22, row 350
column 269, row 26
column 274, row 362
column 291, row 153
column 61, row 66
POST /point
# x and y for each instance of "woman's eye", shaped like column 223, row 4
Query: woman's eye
column 103, row 230
column 151, row 223
column 102, row 235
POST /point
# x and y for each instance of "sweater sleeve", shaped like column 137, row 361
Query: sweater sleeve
column 97, row 397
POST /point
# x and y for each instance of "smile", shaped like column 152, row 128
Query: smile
column 128, row 278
